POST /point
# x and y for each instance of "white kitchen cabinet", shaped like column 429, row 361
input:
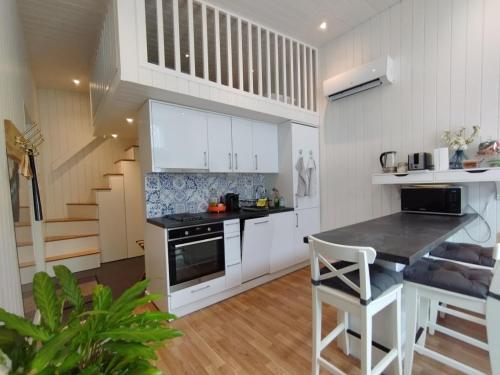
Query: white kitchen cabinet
column 232, row 249
column 283, row 249
column 179, row 138
column 265, row 147
column 220, row 144
column 257, row 239
column 307, row 222
column 243, row 159
column 233, row 276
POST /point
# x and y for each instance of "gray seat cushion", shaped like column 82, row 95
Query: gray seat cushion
column 450, row 276
column 466, row 253
column 381, row 279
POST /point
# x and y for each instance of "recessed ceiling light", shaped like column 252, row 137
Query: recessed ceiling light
column 76, row 81
column 130, row 120
column 322, row 26
column 187, row 55
column 114, row 135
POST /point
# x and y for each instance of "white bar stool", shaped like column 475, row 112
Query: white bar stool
column 469, row 255
column 354, row 287
column 475, row 290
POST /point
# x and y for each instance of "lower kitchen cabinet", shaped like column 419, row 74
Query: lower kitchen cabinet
column 307, row 222
column 283, row 242
column 197, row 292
column 257, row 239
column 233, row 276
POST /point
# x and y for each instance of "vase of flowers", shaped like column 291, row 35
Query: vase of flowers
column 458, row 141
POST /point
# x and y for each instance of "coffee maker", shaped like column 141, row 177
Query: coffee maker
column 232, row 202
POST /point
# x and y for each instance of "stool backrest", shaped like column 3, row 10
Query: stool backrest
column 323, row 252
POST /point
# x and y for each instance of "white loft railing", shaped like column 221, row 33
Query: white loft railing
column 198, row 39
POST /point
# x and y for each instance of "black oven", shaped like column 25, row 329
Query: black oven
column 195, row 255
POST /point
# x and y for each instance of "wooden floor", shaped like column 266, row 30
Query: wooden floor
column 267, row 330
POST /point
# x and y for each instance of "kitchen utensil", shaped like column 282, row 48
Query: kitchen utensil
column 388, row 160
column 219, row 207
column 441, row 159
column 402, row 167
column 419, row 161
column 232, row 202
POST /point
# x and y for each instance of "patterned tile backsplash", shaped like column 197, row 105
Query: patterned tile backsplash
column 170, row 193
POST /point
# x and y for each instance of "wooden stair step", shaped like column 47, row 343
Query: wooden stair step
column 103, row 188
column 131, row 146
column 69, row 237
column 24, row 243
column 22, row 224
column 75, row 254
column 70, row 219
column 82, row 204
column 112, row 174
column 118, row 161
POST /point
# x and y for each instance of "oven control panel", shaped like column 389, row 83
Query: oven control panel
column 196, row 230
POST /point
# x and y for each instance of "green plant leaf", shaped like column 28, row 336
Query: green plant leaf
column 92, row 370
column 70, row 288
column 149, row 317
column 69, row 362
column 130, row 295
column 139, row 334
column 102, row 297
column 8, row 337
column 23, row 327
column 143, row 368
column 50, row 349
column 46, row 300
column 131, row 350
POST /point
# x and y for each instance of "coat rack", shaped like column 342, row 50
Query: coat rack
column 23, row 147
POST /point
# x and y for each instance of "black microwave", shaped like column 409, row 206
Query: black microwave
column 429, row 199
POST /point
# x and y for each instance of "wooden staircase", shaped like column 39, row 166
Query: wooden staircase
column 93, row 232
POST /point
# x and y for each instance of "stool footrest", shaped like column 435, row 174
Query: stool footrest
column 384, row 362
column 447, row 360
column 332, row 336
column 460, row 336
column 461, row 315
column 331, row 368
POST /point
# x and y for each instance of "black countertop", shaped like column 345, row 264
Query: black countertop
column 207, row 218
column 399, row 238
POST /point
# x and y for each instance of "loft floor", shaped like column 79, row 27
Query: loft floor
column 267, row 330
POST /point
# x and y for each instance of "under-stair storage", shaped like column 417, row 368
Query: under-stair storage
column 187, row 51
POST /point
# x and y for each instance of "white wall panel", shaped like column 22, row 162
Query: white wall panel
column 447, row 75
column 65, row 121
column 16, row 90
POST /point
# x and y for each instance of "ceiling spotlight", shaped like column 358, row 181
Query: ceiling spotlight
column 114, row 135
column 76, row 82
column 187, row 55
column 130, row 120
column 322, row 26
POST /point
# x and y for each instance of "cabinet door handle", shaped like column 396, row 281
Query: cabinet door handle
column 236, row 160
column 296, row 220
column 200, row 289
column 261, row 222
column 230, row 238
column 230, row 161
column 256, row 162
column 205, row 158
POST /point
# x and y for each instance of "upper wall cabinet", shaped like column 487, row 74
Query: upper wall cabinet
column 174, row 138
column 188, row 51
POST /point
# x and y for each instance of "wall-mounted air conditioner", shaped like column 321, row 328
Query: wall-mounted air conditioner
column 361, row 78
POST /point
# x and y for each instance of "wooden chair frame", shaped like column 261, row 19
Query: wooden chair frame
column 420, row 297
column 364, row 306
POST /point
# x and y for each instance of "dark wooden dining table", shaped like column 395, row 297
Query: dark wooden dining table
column 401, row 237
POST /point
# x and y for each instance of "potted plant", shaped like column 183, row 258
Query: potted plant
column 459, row 142
column 108, row 338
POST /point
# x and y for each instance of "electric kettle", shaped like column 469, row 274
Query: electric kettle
column 388, row 161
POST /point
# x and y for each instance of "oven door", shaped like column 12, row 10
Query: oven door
column 192, row 261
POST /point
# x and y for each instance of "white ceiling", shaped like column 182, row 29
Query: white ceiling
column 62, row 35
column 301, row 18
column 62, row 39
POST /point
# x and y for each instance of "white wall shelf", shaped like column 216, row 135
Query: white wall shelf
column 437, row 177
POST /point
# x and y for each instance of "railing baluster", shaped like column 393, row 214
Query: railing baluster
column 177, row 42
column 240, row 55
column 229, row 52
column 268, row 47
column 192, row 58
column 250, row 58
column 285, row 93
column 259, row 54
column 299, row 78
column 310, row 80
column 217, row 46
column 276, row 68
column 205, row 40
column 292, row 80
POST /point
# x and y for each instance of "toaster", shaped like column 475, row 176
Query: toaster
column 419, row 161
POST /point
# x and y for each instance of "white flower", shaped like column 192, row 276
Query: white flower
column 458, row 140
column 5, row 364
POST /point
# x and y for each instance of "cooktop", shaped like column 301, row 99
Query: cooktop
column 184, row 217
